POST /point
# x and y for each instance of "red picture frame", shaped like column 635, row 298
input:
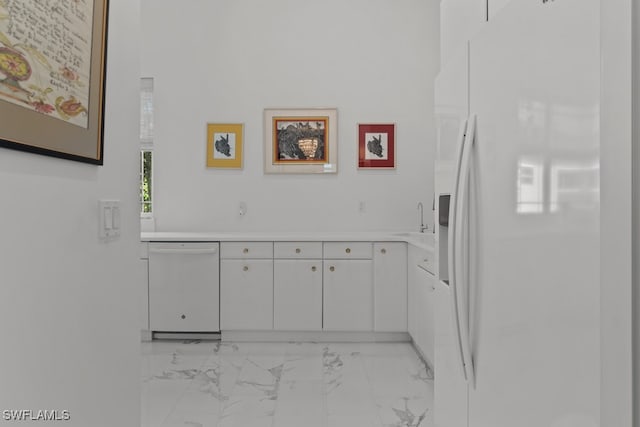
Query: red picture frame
column 377, row 146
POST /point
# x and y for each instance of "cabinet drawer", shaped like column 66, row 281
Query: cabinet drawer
column 304, row 250
column 348, row 250
column 240, row 250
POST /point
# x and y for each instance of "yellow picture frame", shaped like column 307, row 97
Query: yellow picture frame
column 224, row 145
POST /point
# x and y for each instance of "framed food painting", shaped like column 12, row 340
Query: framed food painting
column 377, row 146
column 224, row 145
column 52, row 75
column 300, row 140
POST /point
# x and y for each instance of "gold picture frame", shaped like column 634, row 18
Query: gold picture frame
column 224, row 145
column 302, row 141
column 52, row 93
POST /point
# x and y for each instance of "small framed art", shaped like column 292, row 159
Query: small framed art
column 300, row 140
column 224, row 145
column 377, row 146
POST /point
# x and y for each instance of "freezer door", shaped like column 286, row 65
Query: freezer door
column 534, row 218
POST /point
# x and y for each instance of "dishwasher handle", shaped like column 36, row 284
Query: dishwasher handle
column 183, row 251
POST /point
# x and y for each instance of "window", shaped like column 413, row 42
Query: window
column 146, row 182
column 146, row 147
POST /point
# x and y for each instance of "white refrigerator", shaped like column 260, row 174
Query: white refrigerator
column 518, row 323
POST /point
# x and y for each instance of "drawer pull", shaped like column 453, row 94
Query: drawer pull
column 245, row 268
column 313, row 268
column 348, row 250
column 298, row 250
column 332, row 268
column 183, row 317
column 245, row 251
column 383, row 251
column 426, row 260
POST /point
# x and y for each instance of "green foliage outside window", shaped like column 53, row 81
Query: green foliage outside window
column 145, row 181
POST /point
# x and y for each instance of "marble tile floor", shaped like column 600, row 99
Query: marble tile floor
column 218, row 384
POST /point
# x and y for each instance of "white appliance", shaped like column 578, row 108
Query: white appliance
column 518, row 323
column 184, row 287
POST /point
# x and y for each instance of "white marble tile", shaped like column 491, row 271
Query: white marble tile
column 343, row 368
column 284, row 385
column 193, row 347
column 218, row 376
column 260, row 376
column 296, row 349
column 170, row 365
column 396, row 376
column 405, row 412
column 262, row 348
column 301, row 403
column 303, row 368
column 248, row 411
column 158, row 400
column 356, row 418
column 195, row 409
column 386, row 349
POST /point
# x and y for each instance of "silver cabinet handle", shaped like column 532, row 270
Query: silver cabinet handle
column 183, row 317
column 245, row 268
column 298, row 250
column 332, row 268
column 348, row 250
column 313, row 268
column 245, row 251
column 383, row 251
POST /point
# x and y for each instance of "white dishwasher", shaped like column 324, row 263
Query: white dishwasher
column 184, row 287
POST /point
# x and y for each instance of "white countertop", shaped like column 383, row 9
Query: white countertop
column 422, row 240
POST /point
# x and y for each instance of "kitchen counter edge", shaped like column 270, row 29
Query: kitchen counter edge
column 412, row 238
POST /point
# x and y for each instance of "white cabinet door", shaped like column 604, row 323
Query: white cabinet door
column 297, row 295
column 348, row 295
column 413, row 280
column 390, row 286
column 143, row 271
column 246, row 294
column 425, row 315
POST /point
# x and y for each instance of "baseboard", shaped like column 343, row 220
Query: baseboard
column 314, row 336
column 159, row 335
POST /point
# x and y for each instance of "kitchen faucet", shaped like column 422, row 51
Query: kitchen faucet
column 422, row 226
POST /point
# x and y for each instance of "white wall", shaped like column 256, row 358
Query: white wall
column 68, row 307
column 224, row 61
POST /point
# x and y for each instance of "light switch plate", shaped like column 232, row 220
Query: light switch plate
column 109, row 219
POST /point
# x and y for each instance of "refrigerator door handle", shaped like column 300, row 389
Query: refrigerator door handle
column 461, row 239
column 453, row 280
